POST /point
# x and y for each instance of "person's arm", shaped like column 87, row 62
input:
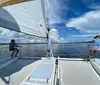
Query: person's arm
column 91, row 44
column 17, row 45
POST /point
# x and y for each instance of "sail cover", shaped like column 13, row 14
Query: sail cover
column 27, row 17
column 10, row 2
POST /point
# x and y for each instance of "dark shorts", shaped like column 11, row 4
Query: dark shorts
column 12, row 49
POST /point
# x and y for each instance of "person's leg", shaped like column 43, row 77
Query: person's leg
column 17, row 51
column 90, row 52
column 94, row 52
column 12, row 53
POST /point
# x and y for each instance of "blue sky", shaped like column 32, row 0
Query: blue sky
column 69, row 20
column 75, row 20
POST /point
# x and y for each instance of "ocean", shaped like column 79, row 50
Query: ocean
column 70, row 50
column 40, row 50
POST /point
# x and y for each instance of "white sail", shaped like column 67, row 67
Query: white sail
column 27, row 17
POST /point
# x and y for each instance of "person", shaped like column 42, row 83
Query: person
column 95, row 46
column 13, row 47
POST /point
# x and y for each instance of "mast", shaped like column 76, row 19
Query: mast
column 49, row 51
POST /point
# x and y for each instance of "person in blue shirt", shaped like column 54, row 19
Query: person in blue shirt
column 95, row 46
column 13, row 47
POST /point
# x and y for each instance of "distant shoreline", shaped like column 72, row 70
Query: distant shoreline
column 46, row 43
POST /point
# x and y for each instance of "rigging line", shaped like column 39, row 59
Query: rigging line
column 74, row 46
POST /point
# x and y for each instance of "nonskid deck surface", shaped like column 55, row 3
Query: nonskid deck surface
column 17, row 71
column 77, row 73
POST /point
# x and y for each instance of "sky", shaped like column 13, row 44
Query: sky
column 69, row 21
column 74, row 20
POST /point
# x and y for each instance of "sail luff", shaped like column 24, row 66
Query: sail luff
column 44, row 12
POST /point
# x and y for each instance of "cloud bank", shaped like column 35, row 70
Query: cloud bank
column 6, row 35
column 89, row 22
column 55, row 37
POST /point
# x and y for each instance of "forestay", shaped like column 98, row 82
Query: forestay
column 27, row 17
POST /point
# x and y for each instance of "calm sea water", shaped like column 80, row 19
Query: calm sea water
column 79, row 50
column 40, row 50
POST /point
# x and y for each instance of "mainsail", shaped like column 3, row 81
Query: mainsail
column 27, row 17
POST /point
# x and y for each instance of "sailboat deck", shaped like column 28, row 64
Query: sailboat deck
column 77, row 73
column 42, row 75
column 2, row 60
column 6, row 61
column 17, row 71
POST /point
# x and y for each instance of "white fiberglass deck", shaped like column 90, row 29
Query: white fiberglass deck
column 77, row 73
column 42, row 75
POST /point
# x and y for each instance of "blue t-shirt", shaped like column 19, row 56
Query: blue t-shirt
column 97, row 42
column 12, row 45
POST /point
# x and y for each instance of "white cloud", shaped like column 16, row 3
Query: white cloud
column 80, row 38
column 6, row 35
column 54, row 35
column 4, row 32
column 62, row 40
column 55, row 11
column 89, row 22
column 85, row 35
